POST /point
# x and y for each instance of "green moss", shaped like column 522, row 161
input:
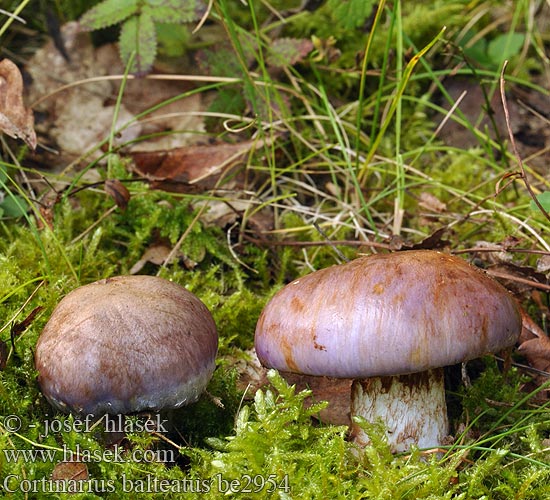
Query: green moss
column 274, row 446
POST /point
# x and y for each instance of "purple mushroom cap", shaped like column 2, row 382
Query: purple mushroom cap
column 126, row 344
column 385, row 315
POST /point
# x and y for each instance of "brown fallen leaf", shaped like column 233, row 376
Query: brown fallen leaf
column 16, row 120
column 19, row 327
column 157, row 254
column 519, row 279
column 192, row 168
column 535, row 347
column 431, row 203
column 46, row 218
column 537, row 352
column 529, row 328
column 64, row 91
column 434, row 241
column 543, row 264
column 337, row 391
column 539, row 298
column 118, row 192
column 253, row 376
column 70, row 471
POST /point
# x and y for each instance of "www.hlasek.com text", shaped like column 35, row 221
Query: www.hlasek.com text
column 116, row 454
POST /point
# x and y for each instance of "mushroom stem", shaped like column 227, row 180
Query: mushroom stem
column 412, row 407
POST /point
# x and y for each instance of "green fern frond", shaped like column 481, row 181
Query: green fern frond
column 108, row 13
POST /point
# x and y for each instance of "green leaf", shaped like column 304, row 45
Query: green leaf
column 13, row 206
column 505, row 46
column 108, row 13
column 478, row 53
column 173, row 39
column 174, row 11
column 350, row 14
column 544, row 199
column 138, row 36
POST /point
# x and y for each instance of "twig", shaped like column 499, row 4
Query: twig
column 450, row 113
column 500, row 248
column 292, row 243
column 526, row 367
column 179, row 243
column 14, row 16
column 18, row 312
column 204, row 17
column 517, row 279
column 514, row 146
column 325, row 235
column 232, row 251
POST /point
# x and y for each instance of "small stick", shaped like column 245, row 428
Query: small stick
column 523, row 175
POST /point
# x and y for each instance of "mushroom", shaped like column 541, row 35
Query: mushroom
column 390, row 322
column 126, row 344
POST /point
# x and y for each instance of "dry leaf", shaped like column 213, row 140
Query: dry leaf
column 253, row 376
column 157, row 255
column 431, row 203
column 62, row 124
column 543, row 264
column 226, row 212
column 517, row 278
column 19, row 327
column 288, row 51
column 70, row 471
column 529, row 329
column 191, row 168
column 76, row 119
column 539, row 298
column 47, row 217
column 434, row 241
column 535, row 347
column 337, row 391
column 118, row 192
column 15, row 119
column 537, row 352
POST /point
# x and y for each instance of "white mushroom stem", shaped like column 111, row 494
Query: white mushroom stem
column 411, row 406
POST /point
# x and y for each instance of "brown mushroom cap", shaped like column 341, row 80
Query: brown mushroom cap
column 381, row 315
column 126, row 344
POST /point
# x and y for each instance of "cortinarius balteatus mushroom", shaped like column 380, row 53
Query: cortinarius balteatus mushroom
column 390, row 322
column 124, row 345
